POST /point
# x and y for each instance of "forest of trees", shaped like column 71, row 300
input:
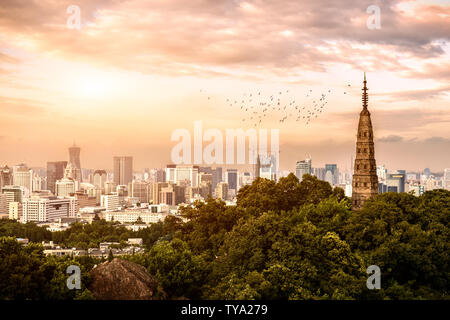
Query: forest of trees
column 283, row 240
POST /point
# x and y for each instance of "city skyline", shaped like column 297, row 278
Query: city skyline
column 258, row 154
column 57, row 86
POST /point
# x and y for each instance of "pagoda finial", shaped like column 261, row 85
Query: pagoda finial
column 365, row 97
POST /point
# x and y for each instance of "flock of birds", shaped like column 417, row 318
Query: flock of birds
column 256, row 108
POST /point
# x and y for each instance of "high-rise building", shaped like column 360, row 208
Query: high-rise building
column 23, row 177
column 39, row 183
column 10, row 194
column 110, row 187
column 123, row 170
column 205, row 177
column 232, row 179
column 99, row 178
column 172, row 195
column 217, row 176
column 331, row 174
column 65, row 187
column 55, row 171
column 72, row 172
column 109, row 201
column 157, row 187
column 446, row 179
column 16, row 193
column 365, row 179
column 141, row 190
column 319, row 173
column 6, row 177
column 303, row 167
column 159, row 175
column 381, row 173
column 396, row 181
column 268, row 167
column 15, row 211
column 205, row 190
column 222, row 191
column 74, row 157
column 257, row 172
column 215, row 172
column 183, row 173
column 3, row 208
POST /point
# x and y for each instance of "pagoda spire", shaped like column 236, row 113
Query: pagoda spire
column 365, row 180
column 365, row 97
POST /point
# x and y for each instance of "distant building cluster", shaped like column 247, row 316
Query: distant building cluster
column 64, row 192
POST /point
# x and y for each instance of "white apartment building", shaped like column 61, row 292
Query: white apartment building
column 23, row 177
column 48, row 209
column 65, row 187
column 131, row 216
column 3, row 209
column 15, row 210
column 10, row 194
column 110, row 202
column 179, row 173
column 446, row 181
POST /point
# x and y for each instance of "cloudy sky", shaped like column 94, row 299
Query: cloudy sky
column 135, row 71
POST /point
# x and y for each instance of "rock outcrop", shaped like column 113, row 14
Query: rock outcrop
column 124, row 280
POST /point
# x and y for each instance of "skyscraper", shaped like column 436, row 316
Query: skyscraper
column 303, row 167
column 99, row 179
column 217, row 176
column 222, row 191
column 257, row 172
column 183, row 173
column 55, row 171
column 23, row 177
column 446, row 182
column 5, row 177
column 74, row 156
column 123, row 170
column 157, row 187
column 141, row 190
column 365, row 180
column 232, row 179
column 331, row 174
column 268, row 167
column 72, row 172
column 172, row 195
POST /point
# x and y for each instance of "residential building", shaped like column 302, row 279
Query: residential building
column 109, row 201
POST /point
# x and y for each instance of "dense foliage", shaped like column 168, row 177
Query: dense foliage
column 285, row 240
column 25, row 273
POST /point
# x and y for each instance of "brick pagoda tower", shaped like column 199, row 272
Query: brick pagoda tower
column 365, row 180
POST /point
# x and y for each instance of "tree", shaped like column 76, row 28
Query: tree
column 285, row 256
column 407, row 237
column 177, row 269
column 265, row 195
column 139, row 221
